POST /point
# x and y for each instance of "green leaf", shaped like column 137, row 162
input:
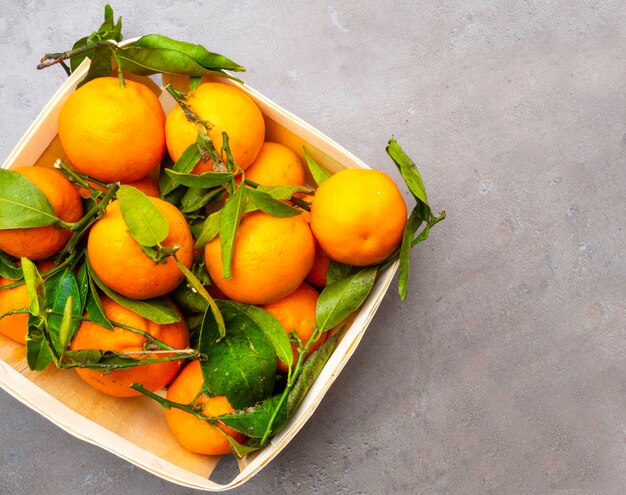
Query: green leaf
column 38, row 353
column 212, row 306
column 194, row 82
column 156, row 309
column 319, row 173
column 201, row 55
column 100, row 66
column 149, row 61
column 241, row 366
column 34, row 287
column 271, row 206
column 82, row 279
column 229, row 221
column 76, row 60
column 8, row 269
column 210, row 230
column 22, row 204
column 188, row 299
column 66, row 332
column 146, row 224
column 59, row 288
column 238, row 449
column 409, row 171
column 195, row 198
column 310, row 371
column 254, row 421
column 272, row 329
column 336, row 271
column 340, row 299
column 205, row 180
column 412, row 224
column 94, row 308
column 284, row 192
column 185, row 164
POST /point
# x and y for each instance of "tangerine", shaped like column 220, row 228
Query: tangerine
column 358, row 216
column 227, row 109
column 112, row 132
column 193, row 433
column 271, row 258
column 122, row 265
column 38, row 243
column 152, row 376
column 296, row 311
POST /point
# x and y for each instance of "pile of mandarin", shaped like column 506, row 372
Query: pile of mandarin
column 116, row 133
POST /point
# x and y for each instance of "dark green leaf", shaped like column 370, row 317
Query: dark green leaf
column 188, row 299
column 94, row 308
column 22, row 204
column 284, row 192
column 8, row 269
column 310, row 371
column 82, row 279
column 38, row 353
column 100, row 66
column 241, row 366
column 254, row 421
column 340, row 299
column 271, row 206
column 336, row 271
column 409, row 171
column 76, row 60
column 195, row 198
column 230, row 217
column 34, row 287
column 145, row 222
column 412, row 224
column 272, row 329
column 156, row 310
column 201, row 55
column 149, row 61
column 205, row 180
column 59, row 288
column 319, row 173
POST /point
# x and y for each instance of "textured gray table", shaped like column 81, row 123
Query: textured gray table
column 504, row 371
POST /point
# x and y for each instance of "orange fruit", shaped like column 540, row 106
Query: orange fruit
column 296, row 311
column 37, row 243
column 119, row 261
column 152, row 376
column 113, row 133
column 194, row 434
column 227, row 108
column 358, row 216
column 276, row 165
column 321, row 262
column 271, row 258
column 16, row 326
column 147, row 185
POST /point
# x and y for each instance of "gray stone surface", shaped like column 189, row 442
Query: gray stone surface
column 504, row 371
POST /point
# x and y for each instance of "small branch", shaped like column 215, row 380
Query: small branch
column 82, row 226
column 51, row 59
column 191, row 116
column 15, row 312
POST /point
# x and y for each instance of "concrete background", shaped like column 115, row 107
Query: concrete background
column 504, row 371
